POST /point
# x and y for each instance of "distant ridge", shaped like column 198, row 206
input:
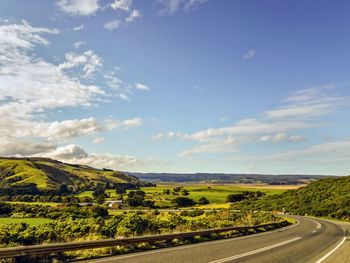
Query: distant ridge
column 219, row 178
column 49, row 174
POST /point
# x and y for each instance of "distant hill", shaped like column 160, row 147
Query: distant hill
column 48, row 174
column 325, row 197
column 219, row 178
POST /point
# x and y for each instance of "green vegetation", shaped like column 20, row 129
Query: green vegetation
column 162, row 195
column 32, row 175
column 183, row 202
column 326, row 197
column 71, row 224
column 29, row 221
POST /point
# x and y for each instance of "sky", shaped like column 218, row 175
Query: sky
column 178, row 86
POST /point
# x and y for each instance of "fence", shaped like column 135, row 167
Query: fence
column 69, row 246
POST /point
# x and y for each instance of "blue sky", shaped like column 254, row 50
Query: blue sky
column 178, row 85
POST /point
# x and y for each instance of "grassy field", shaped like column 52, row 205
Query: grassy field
column 34, row 203
column 216, row 194
column 29, row 221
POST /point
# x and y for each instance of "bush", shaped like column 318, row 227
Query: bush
column 203, row 201
column 183, row 201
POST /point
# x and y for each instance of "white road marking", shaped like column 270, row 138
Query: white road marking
column 326, row 256
column 317, row 223
column 193, row 246
column 256, row 251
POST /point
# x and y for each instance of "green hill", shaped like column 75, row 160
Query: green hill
column 325, row 197
column 48, row 174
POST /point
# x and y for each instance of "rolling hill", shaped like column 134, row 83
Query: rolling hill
column 221, row 178
column 325, row 197
column 48, row 174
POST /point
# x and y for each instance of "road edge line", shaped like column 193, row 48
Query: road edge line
column 188, row 246
column 331, row 252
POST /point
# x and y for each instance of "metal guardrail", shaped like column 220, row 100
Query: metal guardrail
column 69, row 246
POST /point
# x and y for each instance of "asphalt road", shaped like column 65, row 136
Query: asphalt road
column 308, row 241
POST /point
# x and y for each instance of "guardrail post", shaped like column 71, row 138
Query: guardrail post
column 40, row 250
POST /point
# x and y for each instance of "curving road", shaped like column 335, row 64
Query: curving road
column 308, row 241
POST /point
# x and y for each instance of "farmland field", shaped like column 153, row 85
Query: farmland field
column 29, row 221
column 216, row 194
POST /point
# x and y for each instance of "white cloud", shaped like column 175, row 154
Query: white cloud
column 172, row 6
column 308, row 103
column 302, row 111
column 123, row 96
column 98, row 140
column 13, row 127
column 29, row 83
column 76, row 45
column 191, row 4
column 122, row 5
column 296, row 138
column 78, row 28
column 168, row 135
column 217, row 145
column 134, row 14
column 88, row 61
column 111, row 25
column 75, row 154
column 79, row 7
column 325, row 152
column 15, row 147
column 141, row 86
column 69, row 152
column 113, row 81
column 126, row 124
column 282, row 137
column 250, row 54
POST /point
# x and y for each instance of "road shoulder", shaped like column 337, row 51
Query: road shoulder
column 342, row 254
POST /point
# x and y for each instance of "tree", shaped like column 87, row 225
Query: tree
column 183, row 201
column 120, row 190
column 148, row 203
column 177, row 189
column 100, row 199
column 63, row 189
column 5, row 209
column 234, row 198
column 135, row 198
column 99, row 211
column 98, row 192
column 185, row 192
column 203, row 201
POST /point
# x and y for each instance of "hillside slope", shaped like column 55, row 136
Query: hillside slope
column 220, row 178
column 325, row 197
column 49, row 174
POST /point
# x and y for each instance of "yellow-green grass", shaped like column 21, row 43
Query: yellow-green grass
column 213, row 206
column 34, row 203
column 111, row 193
column 215, row 194
column 87, row 172
column 25, row 170
column 29, row 221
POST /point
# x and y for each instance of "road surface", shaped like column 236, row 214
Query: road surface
column 308, row 241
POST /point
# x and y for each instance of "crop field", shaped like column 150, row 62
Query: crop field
column 34, row 203
column 215, row 194
column 29, row 221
